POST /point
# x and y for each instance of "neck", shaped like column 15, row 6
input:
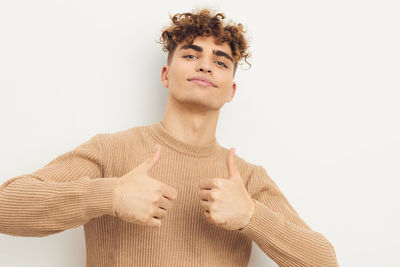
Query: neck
column 196, row 128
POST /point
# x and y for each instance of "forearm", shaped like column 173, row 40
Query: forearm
column 32, row 207
column 286, row 243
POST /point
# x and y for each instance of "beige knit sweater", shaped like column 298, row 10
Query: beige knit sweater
column 76, row 188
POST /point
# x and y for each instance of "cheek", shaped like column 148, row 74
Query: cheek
column 177, row 75
column 225, row 81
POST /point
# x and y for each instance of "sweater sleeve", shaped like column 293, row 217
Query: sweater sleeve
column 279, row 231
column 66, row 193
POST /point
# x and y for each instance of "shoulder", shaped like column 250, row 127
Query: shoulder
column 128, row 137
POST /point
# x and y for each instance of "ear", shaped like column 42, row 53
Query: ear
column 231, row 92
column 164, row 76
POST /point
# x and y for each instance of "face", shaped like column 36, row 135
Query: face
column 203, row 60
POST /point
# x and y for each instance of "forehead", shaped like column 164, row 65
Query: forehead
column 209, row 42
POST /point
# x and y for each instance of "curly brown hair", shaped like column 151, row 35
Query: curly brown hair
column 186, row 27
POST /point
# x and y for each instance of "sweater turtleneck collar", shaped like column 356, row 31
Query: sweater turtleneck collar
column 161, row 134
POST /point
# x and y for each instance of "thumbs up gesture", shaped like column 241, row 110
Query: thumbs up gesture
column 226, row 202
column 139, row 198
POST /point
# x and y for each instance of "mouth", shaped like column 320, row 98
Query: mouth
column 202, row 81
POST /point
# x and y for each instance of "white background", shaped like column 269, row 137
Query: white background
column 319, row 108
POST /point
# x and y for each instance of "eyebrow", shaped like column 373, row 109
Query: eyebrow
column 200, row 49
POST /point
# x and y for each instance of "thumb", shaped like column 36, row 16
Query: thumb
column 233, row 172
column 153, row 159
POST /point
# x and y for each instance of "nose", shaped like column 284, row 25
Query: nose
column 204, row 67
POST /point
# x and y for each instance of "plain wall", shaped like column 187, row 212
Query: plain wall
column 319, row 108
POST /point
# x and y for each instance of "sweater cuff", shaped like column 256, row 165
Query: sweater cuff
column 99, row 197
column 263, row 223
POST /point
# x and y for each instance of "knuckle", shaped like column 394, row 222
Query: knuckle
column 148, row 219
column 142, row 219
column 217, row 219
column 220, row 182
column 174, row 195
column 155, row 199
column 213, row 195
column 167, row 206
column 159, row 198
column 213, row 211
column 159, row 188
column 215, row 183
column 149, row 214
column 213, row 216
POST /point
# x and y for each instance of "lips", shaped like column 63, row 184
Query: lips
column 203, row 81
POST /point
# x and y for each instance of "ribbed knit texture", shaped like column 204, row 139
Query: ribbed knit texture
column 76, row 188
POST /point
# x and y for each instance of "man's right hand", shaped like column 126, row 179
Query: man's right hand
column 139, row 198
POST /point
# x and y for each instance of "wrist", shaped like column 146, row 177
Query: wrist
column 250, row 214
column 99, row 198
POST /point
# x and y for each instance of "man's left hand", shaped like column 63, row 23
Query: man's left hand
column 226, row 202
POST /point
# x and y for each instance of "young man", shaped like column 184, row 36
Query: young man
column 189, row 202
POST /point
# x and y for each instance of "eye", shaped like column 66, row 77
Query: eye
column 222, row 64
column 189, row 56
